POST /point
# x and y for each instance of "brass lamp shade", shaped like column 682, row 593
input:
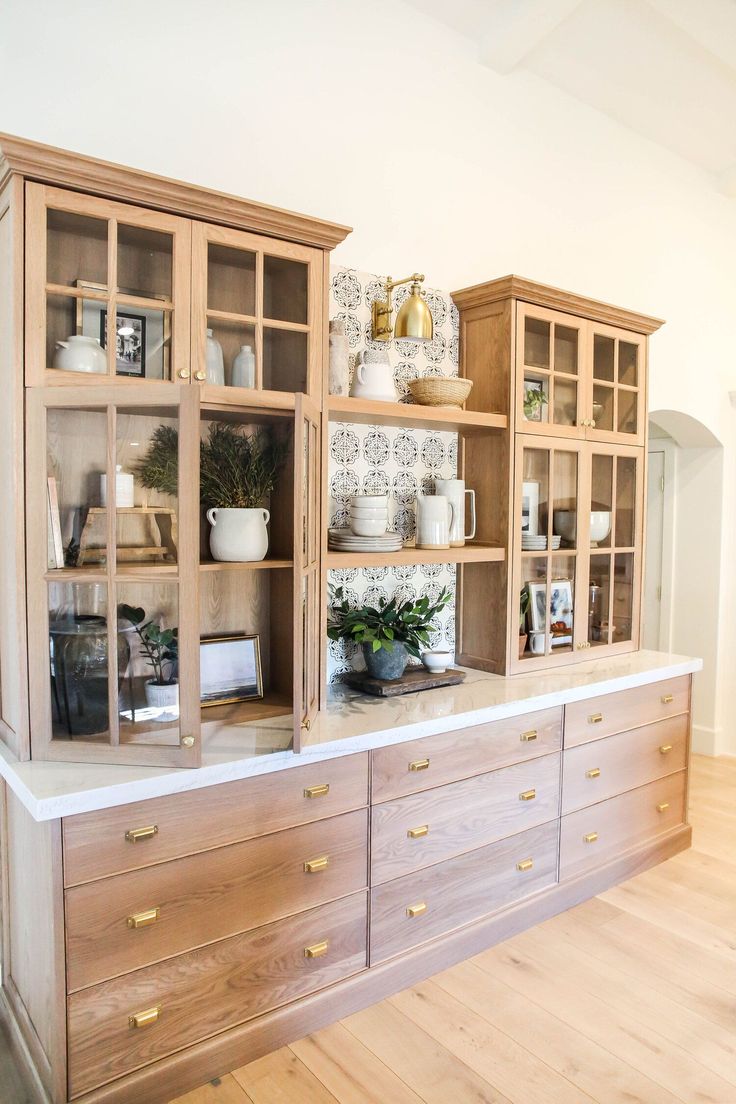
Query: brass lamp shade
column 414, row 319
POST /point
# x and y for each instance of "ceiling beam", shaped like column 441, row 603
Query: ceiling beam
column 513, row 29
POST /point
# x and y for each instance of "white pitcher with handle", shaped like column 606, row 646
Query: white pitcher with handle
column 435, row 516
column 238, row 535
column 454, row 491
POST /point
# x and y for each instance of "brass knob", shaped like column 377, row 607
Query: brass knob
column 135, row 835
column 663, row 806
column 416, row 910
column 665, row 749
column 307, row 725
column 317, row 950
column 183, row 373
column 200, row 375
column 187, row 741
column 144, row 1019
column 592, row 423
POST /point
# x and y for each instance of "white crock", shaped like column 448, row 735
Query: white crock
column 80, row 354
column 165, row 697
column 374, row 380
column 238, row 536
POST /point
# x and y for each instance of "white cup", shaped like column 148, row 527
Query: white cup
column 455, row 492
column 536, row 643
column 435, row 516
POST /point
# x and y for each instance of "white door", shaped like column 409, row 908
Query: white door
column 652, row 610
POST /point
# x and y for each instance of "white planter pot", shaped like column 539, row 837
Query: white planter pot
column 80, row 354
column 238, row 536
column 165, row 698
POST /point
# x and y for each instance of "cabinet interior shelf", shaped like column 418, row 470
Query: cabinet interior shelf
column 248, row 565
column 470, row 553
column 450, row 419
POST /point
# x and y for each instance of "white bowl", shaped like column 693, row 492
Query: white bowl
column 375, row 513
column 368, row 527
column 600, row 525
column 369, row 500
column 437, row 662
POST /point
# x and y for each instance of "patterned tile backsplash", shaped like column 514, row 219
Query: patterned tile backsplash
column 387, row 460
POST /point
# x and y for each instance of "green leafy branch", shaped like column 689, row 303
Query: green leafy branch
column 408, row 623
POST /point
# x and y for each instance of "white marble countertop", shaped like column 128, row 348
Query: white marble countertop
column 351, row 722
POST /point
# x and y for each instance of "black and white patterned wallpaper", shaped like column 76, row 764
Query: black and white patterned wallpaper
column 387, row 460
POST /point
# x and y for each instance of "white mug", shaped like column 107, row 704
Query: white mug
column 537, row 642
column 435, row 516
column 455, row 492
column 374, row 380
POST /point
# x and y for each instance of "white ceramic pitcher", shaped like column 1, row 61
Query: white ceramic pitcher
column 454, row 491
column 374, row 379
column 435, row 517
column 238, row 536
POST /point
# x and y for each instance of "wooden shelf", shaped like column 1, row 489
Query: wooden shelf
column 248, row 565
column 451, row 419
column 471, row 553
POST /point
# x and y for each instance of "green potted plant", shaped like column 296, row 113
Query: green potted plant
column 160, row 650
column 388, row 635
column 237, row 472
column 523, row 610
column 534, row 399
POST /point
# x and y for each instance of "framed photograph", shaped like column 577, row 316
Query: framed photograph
column 535, row 401
column 537, row 615
column 55, row 543
column 230, row 669
column 130, row 342
column 530, row 508
column 560, row 611
column 150, row 326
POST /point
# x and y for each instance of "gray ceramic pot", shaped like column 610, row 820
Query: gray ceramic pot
column 386, row 665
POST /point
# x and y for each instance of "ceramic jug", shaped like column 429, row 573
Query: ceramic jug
column 215, row 362
column 435, row 516
column 244, row 368
column 374, row 378
column 455, row 492
column 80, row 354
column 238, row 536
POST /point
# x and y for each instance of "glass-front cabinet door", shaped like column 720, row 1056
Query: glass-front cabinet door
column 107, row 291
column 255, row 318
column 615, row 404
column 113, row 638
column 551, row 388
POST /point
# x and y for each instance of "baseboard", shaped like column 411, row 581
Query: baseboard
column 707, row 741
column 182, row 1072
column 20, row 1051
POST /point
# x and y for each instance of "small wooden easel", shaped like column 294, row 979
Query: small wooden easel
column 142, row 533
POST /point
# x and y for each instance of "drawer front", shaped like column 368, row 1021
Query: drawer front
column 602, row 716
column 143, row 916
column 97, row 845
column 436, row 760
column 594, row 836
column 411, row 910
column 596, row 771
column 416, row 831
column 210, row 990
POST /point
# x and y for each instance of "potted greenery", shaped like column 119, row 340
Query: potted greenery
column 160, row 649
column 523, row 610
column 389, row 634
column 534, row 400
column 237, row 472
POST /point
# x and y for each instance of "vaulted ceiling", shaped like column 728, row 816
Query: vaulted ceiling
column 664, row 68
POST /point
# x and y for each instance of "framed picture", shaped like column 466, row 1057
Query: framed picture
column 151, row 327
column 537, row 615
column 535, row 400
column 560, row 611
column 130, row 342
column 230, row 669
column 530, row 508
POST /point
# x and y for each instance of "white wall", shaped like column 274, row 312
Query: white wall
column 369, row 114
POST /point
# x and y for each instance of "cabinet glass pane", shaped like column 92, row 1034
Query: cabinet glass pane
column 561, row 604
column 142, row 342
column 231, row 356
column 78, row 654
column 625, row 501
column 536, row 343
column 76, row 459
column 623, row 596
column 599, row 592
column 566, row 350
column 534, row 494
column 603, row 407
column 285, row 290
column 565, row 499
column 146, row 489
column 628, row 363
column 534, row 597
column 604, row 352
column 68, row 319
column 76, row 248
column 536, row 396
column 601, row 503
column 145, row 262
column 231, row 280
column 627, row 411
column 284, row 360
column 565, row 402
column 148, row 680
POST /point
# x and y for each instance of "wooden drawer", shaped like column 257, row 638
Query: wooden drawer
column 96, row 844
column 209, row 990
column 462, row 816
column 596, row 771
column 421, row 906
column 449, row 756
column 210, row 896
column 602, row 716
column 594, row 836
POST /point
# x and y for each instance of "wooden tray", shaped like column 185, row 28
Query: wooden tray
column 413, row 680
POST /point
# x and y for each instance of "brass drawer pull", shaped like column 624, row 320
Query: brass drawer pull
column 135, row 835
column 594, row 772
column 318, row 791
column 313, row 866
column 417, row 833
column 525, row 864
column 416, row 910
column 143, row 919
column 667, row 699
column 595, row 718
column 419, row 764
column 527, row 795
column 665, row 749
column 317, row 950
column 590, row 837
column 145, row 1019
column 663, row 806
column 526, row 737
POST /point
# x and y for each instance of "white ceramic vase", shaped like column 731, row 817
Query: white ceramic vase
column 80, row 354
column 238, row 536
column 244, row 368
column 215, row 361
column 164, row 697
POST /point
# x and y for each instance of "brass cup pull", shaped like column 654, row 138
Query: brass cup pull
column 590, row 837
column 145, row 1019
column 413, row 911
column 667, row 699
column 594, row 772
column 663, row 806
column 135, row 835
column 527, row 795
column 665, row 749
column 317, row 950
column 200, row 375
column 525, row 864
column 313, row 866
column 144, row 919
column 419, row 765
column 318, row 791
column 183, row 373
column 417, row 833
column 595, row 718
column 526, row 737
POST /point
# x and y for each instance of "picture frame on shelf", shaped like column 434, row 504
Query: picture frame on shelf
column 535, row 400
column 561, row 610
column 530, row 508
column 130, row 342
column 156, row 329
column 537, row 612
column 55, row 543
column 230, row 669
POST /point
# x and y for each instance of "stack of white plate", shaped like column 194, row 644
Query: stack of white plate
column 530, row 543
column 342, row 540
column 369, row 515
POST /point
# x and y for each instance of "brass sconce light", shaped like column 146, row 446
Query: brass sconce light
column 413, row 320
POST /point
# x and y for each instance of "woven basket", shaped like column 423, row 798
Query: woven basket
column 440, row 390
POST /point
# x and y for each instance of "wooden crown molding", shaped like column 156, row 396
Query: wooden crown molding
column 50, row 165
column 541, row 295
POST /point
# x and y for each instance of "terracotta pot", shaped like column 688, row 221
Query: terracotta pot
column 522, row 644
